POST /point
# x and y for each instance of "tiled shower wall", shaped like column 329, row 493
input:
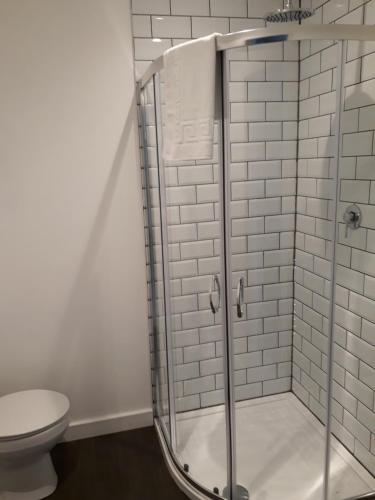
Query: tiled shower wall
column 199, row 348
column 263, row 90
column 354, row 341
column 263, row 93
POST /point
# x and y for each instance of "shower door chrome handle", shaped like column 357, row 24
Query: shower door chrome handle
column 215, row 286
column 240, row 298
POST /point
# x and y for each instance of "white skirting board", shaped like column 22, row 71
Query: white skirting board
column 91, row 427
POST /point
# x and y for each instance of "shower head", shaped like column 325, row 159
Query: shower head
column 288, row 13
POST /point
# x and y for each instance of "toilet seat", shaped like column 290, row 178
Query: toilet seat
column 26, row 413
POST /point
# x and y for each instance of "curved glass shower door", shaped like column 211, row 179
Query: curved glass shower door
column 278, row 452
column 284, row 120
column 155, row 275
column 191, row 213
column 353, row 347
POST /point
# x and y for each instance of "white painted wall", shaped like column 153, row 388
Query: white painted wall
column 73, row 314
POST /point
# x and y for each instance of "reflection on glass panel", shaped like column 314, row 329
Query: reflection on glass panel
column 155, row 271
column 353, row 415
column 280, row 373
column 194, row 239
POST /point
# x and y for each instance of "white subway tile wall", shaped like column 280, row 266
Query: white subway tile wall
column 262, row 138
column 263, row 85
column 354, row 337
column 275, row 218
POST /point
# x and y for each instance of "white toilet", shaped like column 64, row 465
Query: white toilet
column 31, row 423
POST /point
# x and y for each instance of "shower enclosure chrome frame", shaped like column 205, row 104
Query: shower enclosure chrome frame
column 341, row 34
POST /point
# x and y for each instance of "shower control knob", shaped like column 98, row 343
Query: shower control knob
column 352, row 218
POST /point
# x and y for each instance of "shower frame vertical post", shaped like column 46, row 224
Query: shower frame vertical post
column 143, row 140
column 165, row 260
column 342, row 45
column 226, row 268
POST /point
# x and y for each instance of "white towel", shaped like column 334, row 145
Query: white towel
column 189, row 77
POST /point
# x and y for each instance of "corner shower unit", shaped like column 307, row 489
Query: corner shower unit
column 262, row 272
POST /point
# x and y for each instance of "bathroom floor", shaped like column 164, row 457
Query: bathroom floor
column 128, row 465
column 280, row 456
column 280, row 451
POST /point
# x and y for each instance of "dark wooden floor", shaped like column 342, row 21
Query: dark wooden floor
column 128, row 465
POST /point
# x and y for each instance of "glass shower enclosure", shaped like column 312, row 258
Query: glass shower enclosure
column 261, row 272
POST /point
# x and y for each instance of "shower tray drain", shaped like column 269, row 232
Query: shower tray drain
column 241, row 493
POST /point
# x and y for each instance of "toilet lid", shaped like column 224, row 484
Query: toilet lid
column 29, row 412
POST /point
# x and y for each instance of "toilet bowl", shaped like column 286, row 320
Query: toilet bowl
column 31, row 423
